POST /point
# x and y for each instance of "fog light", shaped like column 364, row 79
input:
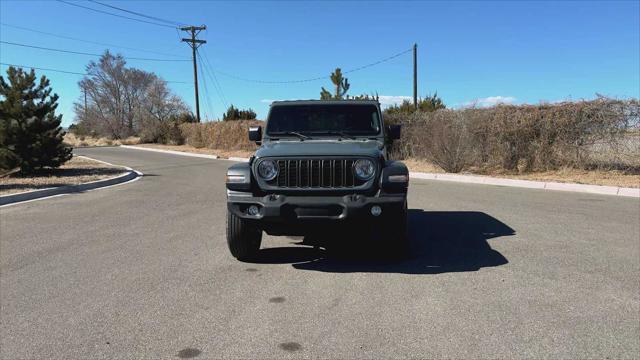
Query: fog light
column 376, row 210
column 253, row 210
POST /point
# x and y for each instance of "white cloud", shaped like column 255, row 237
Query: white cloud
column 390, row 100
column 490, row 101
column 267, row 101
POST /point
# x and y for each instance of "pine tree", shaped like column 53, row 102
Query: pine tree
column 428, row 104
column 234, row 113
column 341, row 85
column 431, row 103
column 30, row 133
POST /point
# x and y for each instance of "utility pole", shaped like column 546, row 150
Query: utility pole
column 195, row 44
column 415, row 76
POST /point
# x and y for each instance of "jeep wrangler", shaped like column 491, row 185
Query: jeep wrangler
column 320, row 164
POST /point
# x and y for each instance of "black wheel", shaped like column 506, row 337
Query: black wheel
column 397, row 236
column 243, row 239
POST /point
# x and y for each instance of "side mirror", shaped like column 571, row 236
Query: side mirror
column 255, row 134
column 393, row 131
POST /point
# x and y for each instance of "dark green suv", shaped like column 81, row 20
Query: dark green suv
column 321, row 165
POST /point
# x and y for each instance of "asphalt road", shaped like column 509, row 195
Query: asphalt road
column 142, row 271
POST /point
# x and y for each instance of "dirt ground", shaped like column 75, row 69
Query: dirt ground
column 78, row 170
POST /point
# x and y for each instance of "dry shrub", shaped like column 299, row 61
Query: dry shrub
column 227, row 135
column 441, row 137
column 601, row 133
column 75, row 141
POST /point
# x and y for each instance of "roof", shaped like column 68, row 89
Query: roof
column 326, row 102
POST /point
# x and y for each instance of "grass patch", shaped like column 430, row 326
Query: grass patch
column 75, row 171
column 82, row 141
column 564, row 175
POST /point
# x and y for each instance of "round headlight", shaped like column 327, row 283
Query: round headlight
column 267, row 169
column 364, row 169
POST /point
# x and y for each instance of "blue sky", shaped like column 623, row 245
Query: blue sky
column 467, row 51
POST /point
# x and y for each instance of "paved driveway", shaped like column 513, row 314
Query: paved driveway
column 142, row 271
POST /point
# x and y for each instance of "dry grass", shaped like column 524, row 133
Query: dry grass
column 82, row 141
column 76, row 171
column 565, row 175
column 422, row 165
column 190, row 149
column 231, row 135
column 591, row 177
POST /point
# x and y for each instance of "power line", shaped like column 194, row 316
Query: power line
column 207, row 99
column 138, row 14
column 45, row 69
column 75, row 73
column 379, row 61
column 80, row 52
column 315, row 78
column 216, row 84
column 215, row 78
column 85, row 41
column 212, row 75
column 116, row 15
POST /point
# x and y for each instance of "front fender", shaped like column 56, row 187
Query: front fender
column 395, row 177
column 239, row 177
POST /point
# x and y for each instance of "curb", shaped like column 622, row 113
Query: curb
column 27, row 196
column 557, row 186
column 239, row 159
column 204, row 156
column 468, row 179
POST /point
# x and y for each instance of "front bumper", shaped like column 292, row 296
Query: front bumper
column 289, row 209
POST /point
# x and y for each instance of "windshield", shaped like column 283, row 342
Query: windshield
column 329, row 119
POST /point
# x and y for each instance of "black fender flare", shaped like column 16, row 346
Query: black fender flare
column 394, row 177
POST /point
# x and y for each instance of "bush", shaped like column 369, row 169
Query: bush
column 164, row 132
column 427, row 104
column 228, row 135
column 586, row 134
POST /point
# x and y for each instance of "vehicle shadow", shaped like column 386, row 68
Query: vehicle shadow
column 440, row 242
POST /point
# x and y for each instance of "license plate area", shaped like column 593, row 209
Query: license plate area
column 315, row 212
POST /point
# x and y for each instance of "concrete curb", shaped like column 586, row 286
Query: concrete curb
column 27, row 196
column 468, row 179
column 486, row 180
column 204, row 156
column 239, row 159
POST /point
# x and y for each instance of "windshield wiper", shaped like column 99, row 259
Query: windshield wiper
column 338, row 132
column 294, row 133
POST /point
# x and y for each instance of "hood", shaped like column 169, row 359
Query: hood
column 289, row 148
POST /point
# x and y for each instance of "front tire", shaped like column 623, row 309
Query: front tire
column 243, row 239
column 397, row 236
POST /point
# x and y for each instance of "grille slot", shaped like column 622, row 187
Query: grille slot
column 322, row 173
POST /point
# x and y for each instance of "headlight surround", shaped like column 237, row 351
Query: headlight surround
column 364, row 169
column 267, row 169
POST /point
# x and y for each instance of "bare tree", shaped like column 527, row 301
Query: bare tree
column 122, row 101
column 159, row 113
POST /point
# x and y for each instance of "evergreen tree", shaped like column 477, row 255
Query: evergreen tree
column 375, row 97
column 30, row 133
column 341, row 85
column 234, row 113
column 431, row 103
column 427, row 104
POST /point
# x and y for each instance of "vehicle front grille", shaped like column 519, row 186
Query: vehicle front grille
column 326, row 173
